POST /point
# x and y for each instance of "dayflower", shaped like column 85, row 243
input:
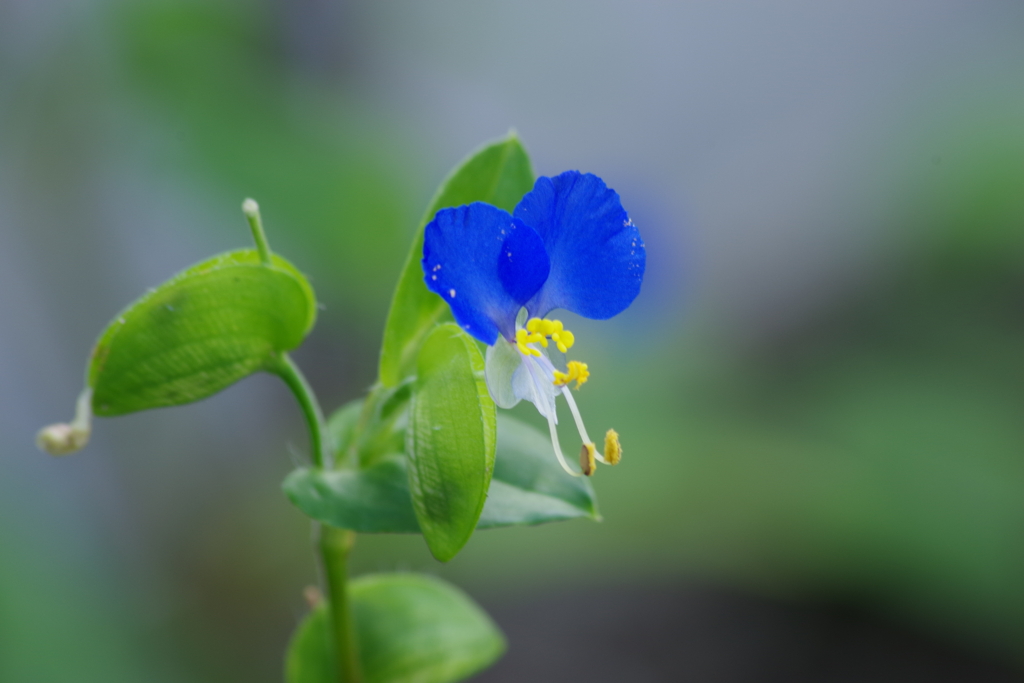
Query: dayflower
column 569, row 244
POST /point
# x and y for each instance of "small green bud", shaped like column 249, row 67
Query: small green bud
column 65, row 439
column 250, row 208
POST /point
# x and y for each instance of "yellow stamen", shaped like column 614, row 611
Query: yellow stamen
column 523, row 338
column 544, row 328
column 539, row 326
column 537, row 332
column 588, row 462
column 574, row 371
column 612, row 447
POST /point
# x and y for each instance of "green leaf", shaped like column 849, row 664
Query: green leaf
column 410, row 628
column 199, row 332
column 498, row 173
column 310, row 658
column 450, row 439
column 343, row 423
column 528, row 487
column 372, row 500
column 385, row 429
column 418, row 628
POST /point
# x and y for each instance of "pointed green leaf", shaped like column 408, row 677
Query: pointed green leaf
column 450, row 439
column 410, row 629
column 372, row 500
column 528, row 487
column 384, row 430
column 199, row 332
column 343, row 423
column 498, row 173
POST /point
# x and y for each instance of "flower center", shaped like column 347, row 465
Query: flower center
column 538, row 331
column 540, row 371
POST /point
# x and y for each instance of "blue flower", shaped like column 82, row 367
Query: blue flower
column 569, row 244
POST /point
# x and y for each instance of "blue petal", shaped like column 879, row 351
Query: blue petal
column 597, row 256
column 485, row 264
column 523, row 264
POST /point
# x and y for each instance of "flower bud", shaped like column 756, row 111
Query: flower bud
column 61, row 439
column 250, row 208
column 64, row 439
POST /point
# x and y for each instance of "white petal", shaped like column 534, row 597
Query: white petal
column 534, row 382
column 502, row 361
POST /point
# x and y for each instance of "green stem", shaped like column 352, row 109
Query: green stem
column 334, row 548
column 252, row 212
column 319, row 445
column 334, row 544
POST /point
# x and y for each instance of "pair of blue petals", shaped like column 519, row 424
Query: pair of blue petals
column 569, row 244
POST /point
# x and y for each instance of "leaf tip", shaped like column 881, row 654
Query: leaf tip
column 445, row 546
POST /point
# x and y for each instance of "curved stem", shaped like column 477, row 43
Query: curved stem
column 319, row 439
column 333, row 544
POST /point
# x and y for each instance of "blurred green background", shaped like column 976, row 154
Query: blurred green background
column 820, row 391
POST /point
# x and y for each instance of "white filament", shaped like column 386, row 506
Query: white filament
column 558, row 450
column 579, row 423
column 541, row 386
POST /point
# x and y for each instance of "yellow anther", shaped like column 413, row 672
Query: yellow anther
column 563, row 340
column 612, row 447
column 582, row 373
column 523, row 338
column 588, row 462
column 574, row 371
column 541, row 328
